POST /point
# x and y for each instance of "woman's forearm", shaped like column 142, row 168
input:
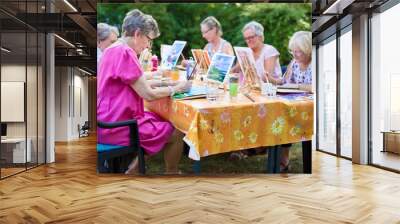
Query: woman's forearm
column 146, row 91
column 148, row 75
column 164, row 91
column 158, row 92
column 143, row 88
column 273, row 80
column 160, row 83
column 155, row 83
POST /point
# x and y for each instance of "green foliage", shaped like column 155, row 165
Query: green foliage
column 181, row 21
column 221, row 164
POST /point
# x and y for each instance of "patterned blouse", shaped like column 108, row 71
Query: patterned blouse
column 300, row 77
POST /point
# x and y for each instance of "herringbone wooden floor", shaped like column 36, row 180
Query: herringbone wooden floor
column 70, row 191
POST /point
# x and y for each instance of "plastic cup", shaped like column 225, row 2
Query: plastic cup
column 174, row 74
column 211, row 91
column 233, row 85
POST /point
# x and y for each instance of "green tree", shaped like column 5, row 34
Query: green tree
column 181, row 21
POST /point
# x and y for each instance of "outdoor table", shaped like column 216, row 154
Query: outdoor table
column 224, row 126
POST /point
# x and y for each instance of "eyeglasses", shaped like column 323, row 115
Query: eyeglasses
column 250, row 38
column 150, row 41
column 295, row 52
column 206, row 31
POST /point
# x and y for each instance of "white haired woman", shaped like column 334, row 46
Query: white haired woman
column 298, row 72
column 106, row 35
column 122, row 88
column 299, row 69
column 266, row 56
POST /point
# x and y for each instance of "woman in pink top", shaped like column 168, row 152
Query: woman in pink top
column 122, row 88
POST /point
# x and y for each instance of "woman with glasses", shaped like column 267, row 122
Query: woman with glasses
column 211, row 30
column 266, row 62
column 298, row 72
column 299, row 69
column 265, row 55
column 122, row 88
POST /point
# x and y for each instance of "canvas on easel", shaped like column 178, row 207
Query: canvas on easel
column 247, row 65
column 219, row 67
column 145, row 57
column 164, row 49
column 171, row 58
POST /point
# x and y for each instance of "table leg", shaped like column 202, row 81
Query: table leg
column 277, row 158
column 273, row 160
column 196, row 167
column 307, row 160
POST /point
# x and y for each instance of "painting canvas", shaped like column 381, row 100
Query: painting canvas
column 171, row 58
column 165, row 48
column 219, row 67
column 247, row 65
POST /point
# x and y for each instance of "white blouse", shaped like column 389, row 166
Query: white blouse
column 267, row 52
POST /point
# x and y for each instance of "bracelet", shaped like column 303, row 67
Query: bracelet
column 171, row 91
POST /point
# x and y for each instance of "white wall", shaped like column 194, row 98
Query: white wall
column 80, row 95
column 70, row 83
column 61, row 103
column 33, row 126
column 14, row 73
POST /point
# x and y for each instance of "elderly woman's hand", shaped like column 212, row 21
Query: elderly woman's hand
column 183, row 86
column 184, row 63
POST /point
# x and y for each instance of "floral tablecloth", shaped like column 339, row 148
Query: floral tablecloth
column 227, row 125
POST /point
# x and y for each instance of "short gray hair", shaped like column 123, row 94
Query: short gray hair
column 212, row 22
column 104, row 31
column 115, row 30
column 302, row 40
column 136, row 20
column 256, row 27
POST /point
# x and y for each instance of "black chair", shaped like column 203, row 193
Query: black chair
column 115, row 158
column 84, row 130
column 283, row 68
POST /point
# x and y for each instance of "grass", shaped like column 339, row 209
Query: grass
column 220, row 164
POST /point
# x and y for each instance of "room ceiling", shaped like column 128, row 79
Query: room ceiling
column 326, row 14
column 77, row 27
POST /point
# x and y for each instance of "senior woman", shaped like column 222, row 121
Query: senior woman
column 122, row 88
column 299, row 69
column 106, row 35
column 298, row 72
column 265, row 55
column 211, row 31
column 266, row 62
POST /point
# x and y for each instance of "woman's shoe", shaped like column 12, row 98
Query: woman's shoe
column 237, row 156
column 284, row 168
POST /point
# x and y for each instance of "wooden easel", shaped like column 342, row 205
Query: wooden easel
column 250, row 75
column 202, row 65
